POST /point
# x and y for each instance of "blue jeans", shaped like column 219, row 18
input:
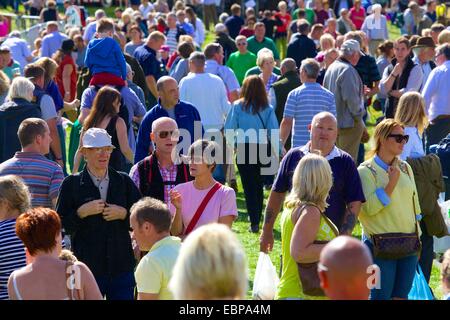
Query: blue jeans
column 120, row 287
column 396, row 276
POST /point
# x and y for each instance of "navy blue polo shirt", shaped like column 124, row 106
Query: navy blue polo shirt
column 346, row 181
column 149, row 62
column 234, row 25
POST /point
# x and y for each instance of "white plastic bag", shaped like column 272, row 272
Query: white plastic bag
column 266, row 279
column 442, row 244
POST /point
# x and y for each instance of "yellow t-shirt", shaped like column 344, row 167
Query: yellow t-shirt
column 155, row 268
column 290, row 286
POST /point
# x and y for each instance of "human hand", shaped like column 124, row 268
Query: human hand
column 266, row 241
column 60, row 162
column 175, row 199
column 397, row 70
column 75, row 104
column 91, row 208
column 393, row 174
column 114, row 212
column 365, row 136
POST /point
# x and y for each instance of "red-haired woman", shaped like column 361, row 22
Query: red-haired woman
column 48, row 277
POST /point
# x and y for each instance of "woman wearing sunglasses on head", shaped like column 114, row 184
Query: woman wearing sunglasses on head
column 389, row 215
column 203, row 200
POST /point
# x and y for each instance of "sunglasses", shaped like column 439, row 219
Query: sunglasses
column 165, row 134
column 399, row 137
column 242, row 43
column 107, row 150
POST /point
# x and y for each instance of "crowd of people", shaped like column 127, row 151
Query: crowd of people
column 141, row 202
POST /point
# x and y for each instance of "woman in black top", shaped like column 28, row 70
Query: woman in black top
column 104, row 115
column 50, row 13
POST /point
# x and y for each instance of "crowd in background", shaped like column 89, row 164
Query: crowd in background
column 118, row 210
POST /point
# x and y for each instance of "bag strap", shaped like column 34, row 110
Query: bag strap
column 71, row 290
column 325, row 218
column 201, row 208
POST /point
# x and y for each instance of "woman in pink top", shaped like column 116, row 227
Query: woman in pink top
column 4, row 26
column 357, row 14
column 186, row 198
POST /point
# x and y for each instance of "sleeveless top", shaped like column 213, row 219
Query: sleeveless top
column 117, row 159
column 290, row 286
column 67, row 60
column 50, row 15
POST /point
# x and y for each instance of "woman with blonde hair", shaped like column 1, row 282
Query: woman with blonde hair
column 14, row 199
column 211, row 266
column 304, row 227
column 389, row 215
column 411, row 114
column 266, row 63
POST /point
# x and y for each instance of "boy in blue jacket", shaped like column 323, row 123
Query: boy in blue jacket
column 104, row 57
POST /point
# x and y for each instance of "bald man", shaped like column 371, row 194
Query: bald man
column 157, row 174
column 346, row 195
column 344, row 269
column 169, row 105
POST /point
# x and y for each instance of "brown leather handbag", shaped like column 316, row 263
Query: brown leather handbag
column 307, row 272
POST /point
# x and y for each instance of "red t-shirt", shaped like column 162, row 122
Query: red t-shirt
column 361, row 13
column 286, row 22
column 73, row 77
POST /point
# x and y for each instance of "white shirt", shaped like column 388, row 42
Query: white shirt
column 145, row 10
column 414, row 147
column 436, row 92
column 426, row 70
column 19, row 50
column 208, row 94
column 199, row 35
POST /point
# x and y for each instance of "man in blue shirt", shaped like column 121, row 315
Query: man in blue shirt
column 52, row 41
column 169, row 105
column 235, row 22
column 153, row 68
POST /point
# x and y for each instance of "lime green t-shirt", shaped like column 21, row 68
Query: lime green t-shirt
column 240, row 63
column 309, row 15
column 290, row 286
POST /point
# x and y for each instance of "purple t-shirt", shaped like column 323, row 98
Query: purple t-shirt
column 346, row 182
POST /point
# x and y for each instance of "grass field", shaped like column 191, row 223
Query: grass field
column 249, row 240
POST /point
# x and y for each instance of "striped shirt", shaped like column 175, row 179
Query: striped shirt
column 171, row 40
column 302, row 104
column 43, row 177
column 12, row 254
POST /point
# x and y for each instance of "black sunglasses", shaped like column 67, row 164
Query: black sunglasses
column 399, row 137
column 165, row 134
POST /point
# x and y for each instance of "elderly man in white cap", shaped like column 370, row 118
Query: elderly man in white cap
column 94, row 206
column 375, row 27
column 344, row 82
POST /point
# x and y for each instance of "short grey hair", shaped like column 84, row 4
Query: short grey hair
column 20, row 87
column 444, row 49
column 197, row 58
column 311, row 68
column 288, row 64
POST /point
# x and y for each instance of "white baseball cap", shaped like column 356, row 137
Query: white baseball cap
column 96, row 138
column 350, row 46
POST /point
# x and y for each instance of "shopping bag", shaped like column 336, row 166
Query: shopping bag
column 420, row 289
column 266, row 279
column 440, row 245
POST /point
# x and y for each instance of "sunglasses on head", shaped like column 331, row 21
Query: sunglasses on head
column 165, row 134
column 399, row 137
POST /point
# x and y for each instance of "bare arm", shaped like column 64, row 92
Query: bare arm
column 273, row 208
column 122, row 135
column 90, row 287
column 285, row 129
column 55, row 145
column 351, row 214
column 83, row 115
column 227, row 220
column 234, row 96
column 77, row 157
column 151, row 84
column 303, row 249
column 176, row 228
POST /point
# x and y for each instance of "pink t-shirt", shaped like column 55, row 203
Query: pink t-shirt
column 223, row 203
column 360, row 14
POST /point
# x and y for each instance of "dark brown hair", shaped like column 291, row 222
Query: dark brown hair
column 403, row 40
column 253, row 94
column 101, row 107
column 38, row 228
column 29, row 129
column 105, row 25
column 385, row 47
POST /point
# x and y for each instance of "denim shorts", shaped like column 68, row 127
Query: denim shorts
column 396, row 276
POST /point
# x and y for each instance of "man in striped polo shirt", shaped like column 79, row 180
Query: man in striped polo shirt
column 303, row 103
column 42, row 176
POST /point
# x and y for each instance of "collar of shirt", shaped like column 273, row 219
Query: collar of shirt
column 170, row 168
column 96, row 180
column 333, row 154
column 212, row 64
column 163, row 241
column 24, row 155
column 381, row 163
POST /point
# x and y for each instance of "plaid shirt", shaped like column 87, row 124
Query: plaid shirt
column 167, row 174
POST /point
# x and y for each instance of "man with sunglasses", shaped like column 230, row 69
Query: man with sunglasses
column 157, row 174
column 169, row 105
column 94, row 206
column 242, row 60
